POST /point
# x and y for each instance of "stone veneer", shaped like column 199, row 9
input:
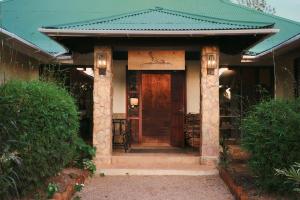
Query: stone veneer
column 102, row 115
column 209, row 109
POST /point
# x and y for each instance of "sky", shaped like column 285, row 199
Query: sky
column 287, row 8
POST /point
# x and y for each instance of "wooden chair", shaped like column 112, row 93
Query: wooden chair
column 121, row 133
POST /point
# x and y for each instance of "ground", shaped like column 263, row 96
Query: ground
column 155, row 187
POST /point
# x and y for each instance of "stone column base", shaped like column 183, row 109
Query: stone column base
column 209, row 160
column 102, row 160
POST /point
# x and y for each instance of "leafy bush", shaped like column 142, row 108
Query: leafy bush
column 43, row 119
column 52, row 188
column 9, row 179
column 84, row 150
column 89, row 165
column 271, row 134
column 78, row 187
column 292, row 174
column 84, row 155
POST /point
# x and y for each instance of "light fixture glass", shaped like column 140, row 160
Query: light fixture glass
column 212, row 61
column 101, row 62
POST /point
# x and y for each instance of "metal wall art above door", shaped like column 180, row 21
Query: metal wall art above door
column 156, row 60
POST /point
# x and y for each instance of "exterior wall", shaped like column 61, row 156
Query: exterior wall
column 285, row 78
column 193, row 86
column 14, row 65
column 119, row 86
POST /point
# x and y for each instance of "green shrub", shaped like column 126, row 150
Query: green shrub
column 43, row 120
column 9, row 179
column 52, row 188
column 292, row 175
column 84, row 155
column 83, row 150
column 271, row 133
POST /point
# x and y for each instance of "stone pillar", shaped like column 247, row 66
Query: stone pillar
column 102, row 115
column 209, row 108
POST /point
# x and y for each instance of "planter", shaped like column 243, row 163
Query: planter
column 69, row 191
column 236, row 190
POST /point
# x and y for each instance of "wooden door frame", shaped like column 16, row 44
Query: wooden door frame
column 140, row 72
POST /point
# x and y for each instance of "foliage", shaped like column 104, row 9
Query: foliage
column 43, row 119
column 78, row 187
column 270, row 132
column 9, row 179
column 292, row 174
column 89, row 165
column 84, row 155
column 84, row 150
column 260, row 5
column 52, row 188
column 77, row 198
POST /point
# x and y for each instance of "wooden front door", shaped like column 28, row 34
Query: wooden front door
column 163, row 108
column 156, row 108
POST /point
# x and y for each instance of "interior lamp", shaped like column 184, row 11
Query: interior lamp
column 134, row 102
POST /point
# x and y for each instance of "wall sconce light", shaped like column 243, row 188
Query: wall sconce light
column 101, row 62
column 211, row 63
column 134, row 102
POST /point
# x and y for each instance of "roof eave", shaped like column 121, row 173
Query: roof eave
column 152, row 33
column 33, row 50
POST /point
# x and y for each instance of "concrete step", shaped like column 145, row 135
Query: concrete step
column 156, row 159
column 157, row 170
column 156, row 164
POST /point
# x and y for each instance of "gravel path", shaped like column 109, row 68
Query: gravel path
column 156, row 188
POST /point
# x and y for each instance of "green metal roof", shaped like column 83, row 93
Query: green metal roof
column 25, row 17
column 161, row 19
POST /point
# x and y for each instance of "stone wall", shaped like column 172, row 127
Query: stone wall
column 209, row 109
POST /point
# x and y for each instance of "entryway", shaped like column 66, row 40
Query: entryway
column 161, row 108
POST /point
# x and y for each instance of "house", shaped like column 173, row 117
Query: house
column 153, row 62
column 19, row 58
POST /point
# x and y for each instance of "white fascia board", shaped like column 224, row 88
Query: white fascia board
column 135, row 33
